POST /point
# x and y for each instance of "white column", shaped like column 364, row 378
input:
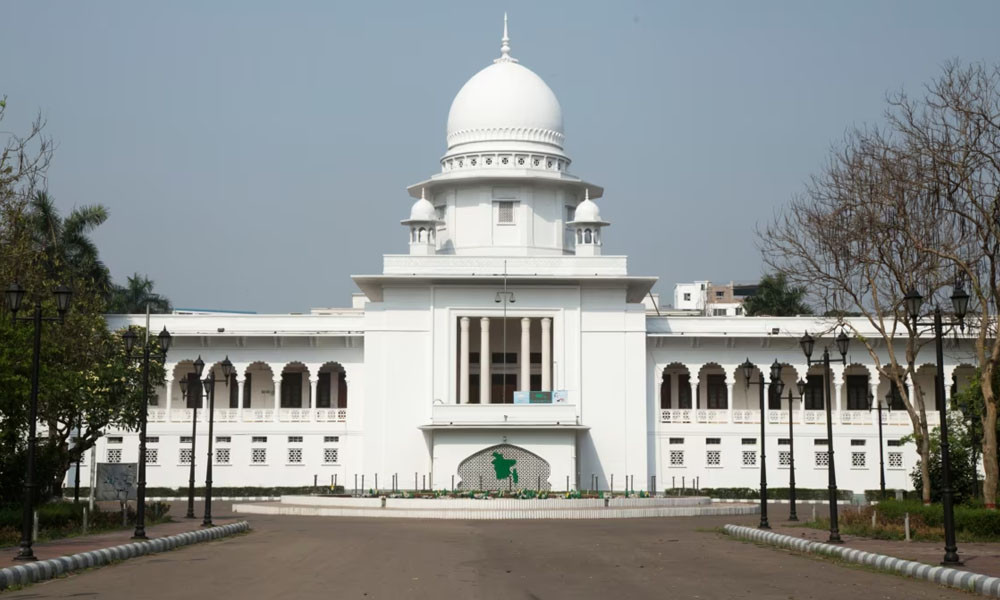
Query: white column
column 241, row 380
column 694, row 393
column 730, row 385
column 277, row 398
column 838, row 386
column 169, row 383
column 525, row 354
column 313, row 384
column 547, row 354
column 484, row 360
column 463, row 362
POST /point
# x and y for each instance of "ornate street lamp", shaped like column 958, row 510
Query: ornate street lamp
column 881, row 457
column 147, row 354
column 792, row 515
column 209, row 385
column 14, row 296
column 843, row 342
column 748, row 369
column 193, row 391
column 913, row 301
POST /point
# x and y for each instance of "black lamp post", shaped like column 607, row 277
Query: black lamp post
column 881, row 446
column 960, row 304
column 209, row 385
column 807, row 343
column 748, row 368
column 147, row 354
column 192, row 390
column 792, row 515
column 14, row 295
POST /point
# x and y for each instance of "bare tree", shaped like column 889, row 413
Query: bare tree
column 841, row 240
column 952, row 137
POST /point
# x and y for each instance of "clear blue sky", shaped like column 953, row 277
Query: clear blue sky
column 253, row 155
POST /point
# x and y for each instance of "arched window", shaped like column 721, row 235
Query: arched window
column 579, row 236
column 587, row 236
column 420, row 234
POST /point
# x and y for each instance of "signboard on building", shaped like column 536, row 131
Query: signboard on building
column 553, row 397
column 116, row 481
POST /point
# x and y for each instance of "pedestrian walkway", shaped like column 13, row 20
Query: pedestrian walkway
column 978, row 557
column 85, row 543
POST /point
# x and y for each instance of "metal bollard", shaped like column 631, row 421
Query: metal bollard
column 86, row 520
column 315, row 480
column 906, row 526
column 34, row 527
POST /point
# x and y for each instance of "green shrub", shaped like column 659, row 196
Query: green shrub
column 972, row 523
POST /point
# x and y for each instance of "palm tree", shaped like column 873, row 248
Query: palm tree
column 135, row 295
column 64, row 244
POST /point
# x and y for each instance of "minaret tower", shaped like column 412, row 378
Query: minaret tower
column 587, row 226
column 422, row 224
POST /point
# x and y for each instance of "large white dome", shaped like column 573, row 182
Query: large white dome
column 505, row 102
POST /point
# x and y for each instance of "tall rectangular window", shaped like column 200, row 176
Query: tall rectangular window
column 773, row 398
column 897, row 397
column 684, row 391
column 665, row 391
column 814, row 392
column 857, row 392
column 291, row 390
column 247, row 386
column 234, row 392
column 323, row 390
column 194, row 391
column 717, row 393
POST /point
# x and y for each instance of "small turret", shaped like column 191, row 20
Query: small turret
column 587, row 226
column 423, row 224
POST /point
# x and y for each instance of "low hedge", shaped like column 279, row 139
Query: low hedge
column 972, row 523
column 777, row 493
column 236, row 492
column 890, row 494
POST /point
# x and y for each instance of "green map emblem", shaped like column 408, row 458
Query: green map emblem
column 504, row 467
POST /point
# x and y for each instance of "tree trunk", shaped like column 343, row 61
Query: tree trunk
column 990, row 465
column 924, row 449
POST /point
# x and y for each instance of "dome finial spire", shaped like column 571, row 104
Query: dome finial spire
column 505, row 45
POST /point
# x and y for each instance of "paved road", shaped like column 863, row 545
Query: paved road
column 312, row 557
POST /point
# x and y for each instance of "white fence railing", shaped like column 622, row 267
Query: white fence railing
column 258, row 415
column 746, row 416
column 855, row 417
column 331, row 415
column 712, row 415
column 293, row 415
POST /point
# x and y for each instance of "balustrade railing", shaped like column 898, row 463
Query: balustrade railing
column 293, row 415
column 156, row 415
column 712, row 415
column 331, row 415
column 746, row 416
column 855, row 417
column 814, row 416
column 258, row 415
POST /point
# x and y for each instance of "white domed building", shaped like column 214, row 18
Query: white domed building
column 506, row 329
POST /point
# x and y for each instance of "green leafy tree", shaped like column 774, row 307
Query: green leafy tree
column 135, row 295
column 84, row 377
column 776, row 298
column 961, row 452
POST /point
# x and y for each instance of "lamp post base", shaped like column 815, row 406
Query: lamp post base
column 834, row 539
column 951, row 559
column 22, row 557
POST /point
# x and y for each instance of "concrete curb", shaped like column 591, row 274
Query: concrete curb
column 487, row 513
column 946, row 576
column 49, row 568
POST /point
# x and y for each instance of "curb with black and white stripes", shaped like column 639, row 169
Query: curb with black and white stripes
column 946, row 576
column 52, row 567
